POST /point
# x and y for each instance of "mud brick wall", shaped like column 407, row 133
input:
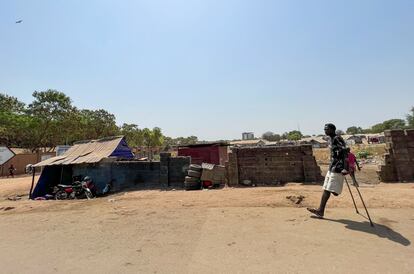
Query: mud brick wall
column 20, row 161
column 273, row 165
column 399, row 158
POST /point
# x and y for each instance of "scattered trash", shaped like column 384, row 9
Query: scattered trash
column 207, row 184
column 276, row 183
column 246, row 183
column 296, row 199
column 15, row 198
column 111, row 200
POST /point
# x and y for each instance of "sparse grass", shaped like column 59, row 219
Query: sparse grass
column 377, row 150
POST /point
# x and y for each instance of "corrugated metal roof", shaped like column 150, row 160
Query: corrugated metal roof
column 85, row 152
column 310, row 139
column 249, row 142
column 17, row 150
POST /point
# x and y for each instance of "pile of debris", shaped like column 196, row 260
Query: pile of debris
column 213, row 176
column 205, row 176
column 399, row 159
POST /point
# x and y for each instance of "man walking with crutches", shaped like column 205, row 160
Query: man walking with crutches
column 334, row 179
column 335, row 176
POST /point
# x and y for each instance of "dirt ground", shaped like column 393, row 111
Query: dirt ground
column 232, row 230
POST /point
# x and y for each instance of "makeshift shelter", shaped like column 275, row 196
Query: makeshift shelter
column 59, row 169
column 211, row 152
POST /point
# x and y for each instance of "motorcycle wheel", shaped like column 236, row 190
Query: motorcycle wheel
column 61, row 195
column 88, row 194
column 72, row 195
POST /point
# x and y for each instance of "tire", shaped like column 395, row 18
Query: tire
column 192, row 185
column 194, row 167
column 194, row 174
column 88, row 194
column 191, row 180
column 61, row 195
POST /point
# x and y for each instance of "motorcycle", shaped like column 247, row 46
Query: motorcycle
column 78, row 190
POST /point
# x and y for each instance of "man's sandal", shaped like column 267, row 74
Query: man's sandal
column 315, row 212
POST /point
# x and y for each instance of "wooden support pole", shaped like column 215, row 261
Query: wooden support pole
column 33, row 178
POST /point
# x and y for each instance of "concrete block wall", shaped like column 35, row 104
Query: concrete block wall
column 173, row 170
column 399, row 158
column 273, row 165
column 177, row 169
column 169, row 172
column 123, row 174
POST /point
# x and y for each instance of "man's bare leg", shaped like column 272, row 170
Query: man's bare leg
column 321, row 210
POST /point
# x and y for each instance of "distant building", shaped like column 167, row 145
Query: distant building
column 316, row 142
column 378, row 138
column 281, row 143
column 352, row 139
column 247, row 136
column 23, row 157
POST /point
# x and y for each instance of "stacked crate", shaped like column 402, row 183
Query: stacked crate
column 399, row 159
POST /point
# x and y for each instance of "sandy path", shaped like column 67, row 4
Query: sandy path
column 221, row 231
column 195, row 240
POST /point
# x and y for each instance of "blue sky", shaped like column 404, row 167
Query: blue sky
column 216, row 68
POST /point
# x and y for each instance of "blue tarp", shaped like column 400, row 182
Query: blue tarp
column 123, row 151
column 49, row 174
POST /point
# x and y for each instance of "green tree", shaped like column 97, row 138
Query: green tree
column 11, row 104
column 14, row 123
column 49, row 111
column 152, row 138
column 95, row 124
column 294, row 135
column 157, row 137
column 51, row 119
column 271, row 137
column 410, row 118
column 133, row 135
column 354, row 130
column 16, row 130
column 182, row 141
column 389, row 124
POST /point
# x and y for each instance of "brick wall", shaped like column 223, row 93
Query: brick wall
column 273, row 165
column 399, row 158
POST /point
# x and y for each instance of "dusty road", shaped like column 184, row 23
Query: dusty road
column 252, row 230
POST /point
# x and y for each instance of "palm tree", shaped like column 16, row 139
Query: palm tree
column 152, row 138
